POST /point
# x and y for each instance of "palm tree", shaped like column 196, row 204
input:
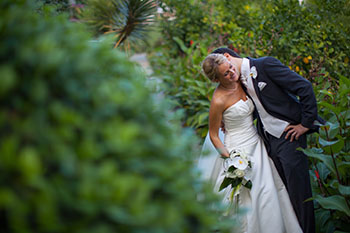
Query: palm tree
column 129, row 20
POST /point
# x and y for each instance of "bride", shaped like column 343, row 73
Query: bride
column 268, row 203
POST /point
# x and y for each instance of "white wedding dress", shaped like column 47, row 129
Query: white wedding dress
column 268, row 205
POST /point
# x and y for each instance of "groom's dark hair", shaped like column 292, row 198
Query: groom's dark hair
column 226, row 50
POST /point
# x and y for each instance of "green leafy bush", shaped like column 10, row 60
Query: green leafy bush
column 186, row 85
column 83, row 148
column 71, row 8
column 184, row 20
column 329, row 152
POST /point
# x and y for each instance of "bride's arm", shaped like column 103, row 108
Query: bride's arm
column 215, row 117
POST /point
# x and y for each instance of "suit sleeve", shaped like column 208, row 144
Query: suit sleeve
column 294, row 84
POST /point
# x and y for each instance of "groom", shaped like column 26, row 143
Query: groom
column 286, row 112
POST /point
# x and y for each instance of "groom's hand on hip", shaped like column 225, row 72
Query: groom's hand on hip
column 295, row 131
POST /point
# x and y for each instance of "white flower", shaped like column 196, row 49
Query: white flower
column 228, row 163
column 240, row 163
column 239, row 173
column 230, row 175
column 253, row 72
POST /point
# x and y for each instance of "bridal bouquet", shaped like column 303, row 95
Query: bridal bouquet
column 237, row 171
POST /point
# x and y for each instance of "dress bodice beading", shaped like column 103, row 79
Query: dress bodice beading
column 238, row 120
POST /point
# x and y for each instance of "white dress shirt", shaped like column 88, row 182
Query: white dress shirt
column 271, row 124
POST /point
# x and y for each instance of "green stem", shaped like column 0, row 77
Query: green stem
column 333, row 159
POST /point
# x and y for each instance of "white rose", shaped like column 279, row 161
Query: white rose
column 231, row 175
column 239, row 173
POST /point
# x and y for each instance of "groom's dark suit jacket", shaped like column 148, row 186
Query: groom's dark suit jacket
column 286, row 95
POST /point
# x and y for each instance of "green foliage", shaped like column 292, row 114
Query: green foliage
column 189, row 88
column 83, row 148
column 128, row 20
column 184, row 20
column 329, row 154
column 71, row 8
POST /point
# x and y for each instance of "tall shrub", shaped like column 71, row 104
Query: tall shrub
column 329, row 153
column 83, row 148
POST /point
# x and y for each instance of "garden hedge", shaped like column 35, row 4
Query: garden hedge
column 83, row 146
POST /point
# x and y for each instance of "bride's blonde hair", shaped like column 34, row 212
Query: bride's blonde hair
column 211, row 63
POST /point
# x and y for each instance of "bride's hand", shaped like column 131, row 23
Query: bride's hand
column 295, row 131
column 223, row 153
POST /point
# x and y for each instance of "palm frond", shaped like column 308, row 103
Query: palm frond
column 127, row 19
column 134, row 19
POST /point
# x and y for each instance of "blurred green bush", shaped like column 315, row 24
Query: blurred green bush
column 83, row 146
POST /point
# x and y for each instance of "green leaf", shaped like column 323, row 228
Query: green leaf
column 333, row 129
column 334, row 202
column 325, row 143
column 181, row 44
column 248, row 184
column 231, row 169
column 336, row 147
column 329, row 106
column 317, row 154
column 329, row 228
column 8, row 78
column 325, row 92
column 226, row 182
column 344, row 190
column 321, row 217
column 343, row 168
column 333, row 183
column 323, row 170
column 344, row 80
column 259, row 52
column 202, row 119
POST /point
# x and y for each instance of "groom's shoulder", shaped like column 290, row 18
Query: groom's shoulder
column 263, row 59
column 260, row 60
column 266, row 61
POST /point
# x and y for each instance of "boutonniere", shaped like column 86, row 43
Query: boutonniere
column 253, row 72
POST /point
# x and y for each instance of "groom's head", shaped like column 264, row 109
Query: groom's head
column 226, row 50
column 231, row 56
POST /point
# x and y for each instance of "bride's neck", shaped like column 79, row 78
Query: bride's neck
column 233, row 87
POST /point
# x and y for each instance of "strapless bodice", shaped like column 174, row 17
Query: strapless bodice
column 239, row 127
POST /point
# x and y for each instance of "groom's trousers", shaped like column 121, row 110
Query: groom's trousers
column 292, row 165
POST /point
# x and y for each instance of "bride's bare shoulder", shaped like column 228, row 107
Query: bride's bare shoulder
column 218, row 99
